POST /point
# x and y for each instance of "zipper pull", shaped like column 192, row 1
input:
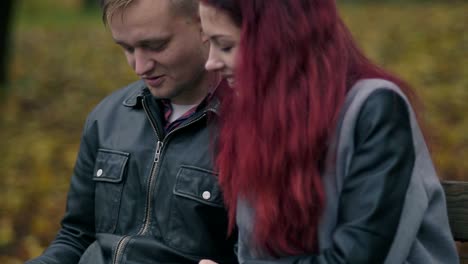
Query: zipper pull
column 159, row 146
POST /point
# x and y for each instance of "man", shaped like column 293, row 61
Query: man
column 143, row 188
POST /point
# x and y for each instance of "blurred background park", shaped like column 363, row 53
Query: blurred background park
column 61, row 62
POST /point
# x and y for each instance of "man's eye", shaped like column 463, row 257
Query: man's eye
column 158, row 47
column 128, row 49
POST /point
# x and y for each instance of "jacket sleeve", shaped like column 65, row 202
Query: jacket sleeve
column 373, row 192
column 77, row 226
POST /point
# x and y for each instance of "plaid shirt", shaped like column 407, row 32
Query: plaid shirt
column 168, row 110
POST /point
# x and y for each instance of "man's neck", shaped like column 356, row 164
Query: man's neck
column 179, row 110
column 207, row 84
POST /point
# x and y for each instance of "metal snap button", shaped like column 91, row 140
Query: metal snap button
column 99, row 173
column 206, row 195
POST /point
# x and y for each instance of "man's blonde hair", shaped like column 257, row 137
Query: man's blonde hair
column 180, row 7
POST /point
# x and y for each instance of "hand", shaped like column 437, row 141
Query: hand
column 206, row 261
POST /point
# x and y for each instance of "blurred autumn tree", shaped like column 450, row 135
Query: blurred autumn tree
column 90, row 4
column 6, row 14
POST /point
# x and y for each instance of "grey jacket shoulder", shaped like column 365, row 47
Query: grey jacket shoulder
column 384, row 201
column 423, row 234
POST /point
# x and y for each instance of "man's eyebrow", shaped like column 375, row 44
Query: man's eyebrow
column 152, row 41
column 121, row 43
column 145, row 42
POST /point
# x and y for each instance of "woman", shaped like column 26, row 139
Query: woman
column 319, row 153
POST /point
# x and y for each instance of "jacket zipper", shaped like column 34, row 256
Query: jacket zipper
column 157, row 155
column 120, row 247
column 149, row 192
column 124, row 240
column 159, row 147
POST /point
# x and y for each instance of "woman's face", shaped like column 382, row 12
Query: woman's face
column 224, row 37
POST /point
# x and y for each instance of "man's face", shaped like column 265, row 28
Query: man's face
column 164, row 48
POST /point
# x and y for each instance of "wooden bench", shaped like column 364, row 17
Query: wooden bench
column 456, row 193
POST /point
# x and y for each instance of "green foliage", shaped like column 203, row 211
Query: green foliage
column 64, row 63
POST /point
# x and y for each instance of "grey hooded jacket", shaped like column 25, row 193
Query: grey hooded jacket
column 385, row 203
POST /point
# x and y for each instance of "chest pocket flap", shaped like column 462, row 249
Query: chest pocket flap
column 110, row 166
column 108, row 175
column 198, row 184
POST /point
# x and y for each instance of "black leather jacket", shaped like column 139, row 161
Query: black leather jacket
column 140, row 196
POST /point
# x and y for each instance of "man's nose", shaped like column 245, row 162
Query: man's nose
column 143, row 63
